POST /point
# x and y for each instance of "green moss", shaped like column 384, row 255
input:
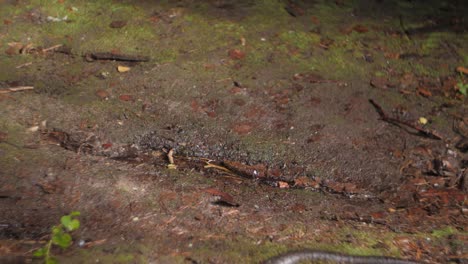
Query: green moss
column 302, row 40
column 433, row 41
column 238, row 250
column 167, row 55
column 120, row 254
column 445, row 232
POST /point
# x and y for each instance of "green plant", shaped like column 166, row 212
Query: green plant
column 60, row 237
column 462, row 88
column 462, row 85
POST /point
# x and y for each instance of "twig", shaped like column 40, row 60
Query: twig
column 398, row 122
column 52, row 48
column 116, row 57
column 405, row 31
column 16, row 89
column 170, row 157
column 23, row 65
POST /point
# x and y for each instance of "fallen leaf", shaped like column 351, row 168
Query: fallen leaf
column 346, row 30
column 360, row 29
column 298, row 207
column 94, row 243
column 392, row 55
column 223, row 197
column 236, row 54
column 405, row 92
column 340, row 187
column 209, row 66
column 195, row 106
column 294, row 10
column 123, row 68
column 424, row 92
column 380, row 82
column 378, row 215
column 7, row 22
column 282, row 185
column 126, row 98
column 248, row 171
column 3, row 136
column 106, row 145
column 405, row 244
column 315, row 20
column 462, row 69
column 102, row 94
column 243, row 128
column 325, row 43
column 306, row 182
column 408, row 80
column 14, row 48
column 118, row 24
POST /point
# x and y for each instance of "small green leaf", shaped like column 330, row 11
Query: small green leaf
column 62, row 240
column 463, row 88
column 75, row 213
column 56, row 230
column 51, row 261
column 39, row 253
column 69, row 223
column 65, row 220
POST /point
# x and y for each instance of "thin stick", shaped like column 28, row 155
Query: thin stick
column 16, row 89
column 170, row 157
column 23, row 65
column 395, row 121
column 116, row 57
column 52, row 48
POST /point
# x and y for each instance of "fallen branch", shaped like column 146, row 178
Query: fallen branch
column 116, row 57
column 16, row 89
column 398, row 122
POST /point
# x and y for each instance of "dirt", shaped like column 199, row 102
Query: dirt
column 248, row 133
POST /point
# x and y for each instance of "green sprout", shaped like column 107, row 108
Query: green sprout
column 60, row 237
column 462, row 88
column 462, row 85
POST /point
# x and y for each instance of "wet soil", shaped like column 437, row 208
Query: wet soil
column 248, row 132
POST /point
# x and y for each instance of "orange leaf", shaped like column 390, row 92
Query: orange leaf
column 236, row 54
column 243, row 128
column 315, row 20
column 102, row 94
column 462, row 69
column 126, row 97
column 424, row 92
column 360, row 29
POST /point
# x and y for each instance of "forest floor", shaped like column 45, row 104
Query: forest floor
column 233, row 131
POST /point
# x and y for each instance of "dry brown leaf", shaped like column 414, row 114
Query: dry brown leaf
column 224, row 197
column 102, row 94
column 243, row 128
